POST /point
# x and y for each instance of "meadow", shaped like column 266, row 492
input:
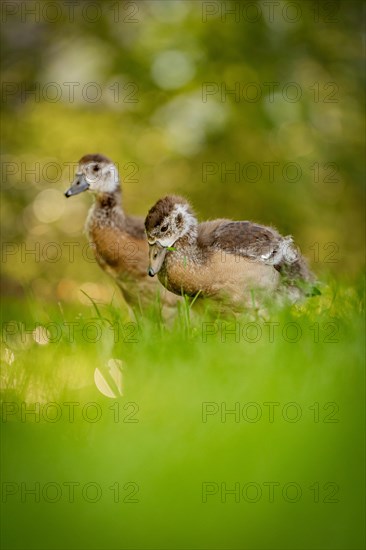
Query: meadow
column 205, row 434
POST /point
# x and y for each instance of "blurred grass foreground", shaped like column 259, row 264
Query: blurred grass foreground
column 204, row 434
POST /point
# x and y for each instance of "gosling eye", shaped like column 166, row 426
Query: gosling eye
column 164, row 228
column 95, row 168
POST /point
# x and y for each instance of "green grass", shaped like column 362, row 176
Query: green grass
column 166, row 442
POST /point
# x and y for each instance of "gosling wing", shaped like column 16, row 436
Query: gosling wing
column 251, row 241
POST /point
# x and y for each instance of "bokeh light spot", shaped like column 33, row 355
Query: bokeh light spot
column 48, row 205
column 172, row 69
column 108, row 379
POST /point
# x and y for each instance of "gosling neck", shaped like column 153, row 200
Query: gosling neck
column 109, row 200
column 188, row 240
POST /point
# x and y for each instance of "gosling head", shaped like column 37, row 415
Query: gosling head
column 95, row 173
column 156, row 258
column 168, row 220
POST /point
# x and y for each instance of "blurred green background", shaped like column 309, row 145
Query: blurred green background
column 158, row 108
column 253, row 110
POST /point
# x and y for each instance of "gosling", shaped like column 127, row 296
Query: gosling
column 118, row 240
column 224, row 260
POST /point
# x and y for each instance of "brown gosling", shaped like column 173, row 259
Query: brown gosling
column 119, row 240
column 227, row 261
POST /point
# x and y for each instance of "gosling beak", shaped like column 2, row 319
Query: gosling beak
column 156, row 258
column 78, row 186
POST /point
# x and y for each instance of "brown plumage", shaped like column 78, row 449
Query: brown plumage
column 119, row 240
column 221, row 259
